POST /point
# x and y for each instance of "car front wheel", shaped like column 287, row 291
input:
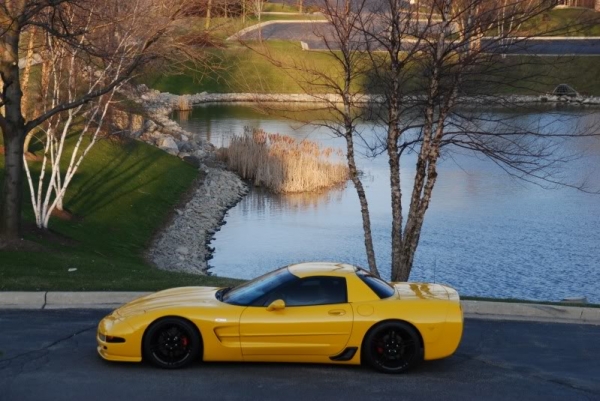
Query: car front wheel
column 392, row 347
column 171, row 343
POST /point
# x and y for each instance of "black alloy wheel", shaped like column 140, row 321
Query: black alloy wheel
column 392, row 347
column 171, row 343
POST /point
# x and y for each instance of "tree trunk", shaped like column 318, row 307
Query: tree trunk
column 13, row 131
column 27, row 73
column 393, row 136
column 364, row 205
column 12, row 188
column 396, row 203
column 25, row 84
column 208, row 9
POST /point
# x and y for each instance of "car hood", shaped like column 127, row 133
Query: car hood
column 174, row 297
column 424, row 291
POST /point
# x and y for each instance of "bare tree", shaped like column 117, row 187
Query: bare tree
column 147, row 23
column 257, row 8
column 424, row 69
column 69, row 77
column 424, row 80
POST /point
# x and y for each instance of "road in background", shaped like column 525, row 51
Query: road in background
column 313, row 34
column 51, row 355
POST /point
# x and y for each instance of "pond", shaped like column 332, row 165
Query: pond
column 485, row 233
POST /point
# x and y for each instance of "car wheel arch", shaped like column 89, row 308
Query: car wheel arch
column 379, row 323
column 157, row 321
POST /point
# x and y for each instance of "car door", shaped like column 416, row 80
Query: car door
column 316, row 320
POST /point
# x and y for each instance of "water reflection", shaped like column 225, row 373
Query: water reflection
column 486, row 233
column 261, row 202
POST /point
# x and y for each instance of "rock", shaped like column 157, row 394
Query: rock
column 186, row 146
column 137, row 134
column 168, row 143
column 200, row 154
column 193, row 160
column 183, row 245
column 150, row 126
column 182, row 155
column 575, row 300
column 182, row 250
column 171, row 151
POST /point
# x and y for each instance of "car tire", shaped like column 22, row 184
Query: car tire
column 172, row 343
column 392, row 347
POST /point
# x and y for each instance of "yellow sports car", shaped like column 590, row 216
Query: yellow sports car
column 308, row 312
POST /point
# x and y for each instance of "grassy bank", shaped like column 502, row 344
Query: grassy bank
column 564, row 22
column 121, row 195
column 240, row 69
column 243, row 70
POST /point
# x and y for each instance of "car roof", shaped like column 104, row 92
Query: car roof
column 321, row 269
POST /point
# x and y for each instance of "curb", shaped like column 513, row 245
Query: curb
column 531, row 312
column 471, row 309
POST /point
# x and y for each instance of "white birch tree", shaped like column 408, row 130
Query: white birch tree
column 70, row 75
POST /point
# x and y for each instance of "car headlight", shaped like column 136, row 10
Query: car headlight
column 110, row 339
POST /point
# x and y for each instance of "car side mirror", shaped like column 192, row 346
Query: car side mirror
column 278, row 304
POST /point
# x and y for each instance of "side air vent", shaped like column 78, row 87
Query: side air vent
column 346, row 354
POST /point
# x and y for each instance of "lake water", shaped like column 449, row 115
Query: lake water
column 485, row 233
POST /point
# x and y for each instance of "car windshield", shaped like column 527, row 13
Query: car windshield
column 247, row 293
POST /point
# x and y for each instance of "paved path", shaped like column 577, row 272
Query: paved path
column 313, row 33
column 50, row 355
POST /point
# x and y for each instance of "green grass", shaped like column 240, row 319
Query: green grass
column 121, row 195
column 530, row 75
column 280, row 7
column 244, row 70
column 564, row 22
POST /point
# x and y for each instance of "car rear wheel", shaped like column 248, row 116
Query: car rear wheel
column 172, row 343
column 392, row 347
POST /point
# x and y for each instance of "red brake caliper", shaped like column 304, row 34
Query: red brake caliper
column 184, row 341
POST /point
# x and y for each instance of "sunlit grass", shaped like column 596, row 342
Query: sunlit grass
column 121, row 195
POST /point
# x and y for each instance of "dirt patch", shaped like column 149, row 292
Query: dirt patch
column 63, row 215
column 33, row 157
column 21, row 245
column 48, row 236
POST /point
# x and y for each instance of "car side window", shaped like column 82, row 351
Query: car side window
column 319, row 290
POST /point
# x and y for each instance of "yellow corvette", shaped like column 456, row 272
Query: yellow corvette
column 308, row 312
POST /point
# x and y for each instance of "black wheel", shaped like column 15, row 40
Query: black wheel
column 171, row 343
column 392, row 347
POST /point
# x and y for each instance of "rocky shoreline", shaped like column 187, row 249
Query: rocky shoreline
column 184, row 244
column 173, row 101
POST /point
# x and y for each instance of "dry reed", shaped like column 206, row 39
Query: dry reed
column 283, row 164
column 184, row 103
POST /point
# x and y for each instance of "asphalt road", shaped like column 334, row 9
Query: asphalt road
column 51, row 355
column 313, row 34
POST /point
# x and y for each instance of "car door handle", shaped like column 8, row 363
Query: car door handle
column 337, row 312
